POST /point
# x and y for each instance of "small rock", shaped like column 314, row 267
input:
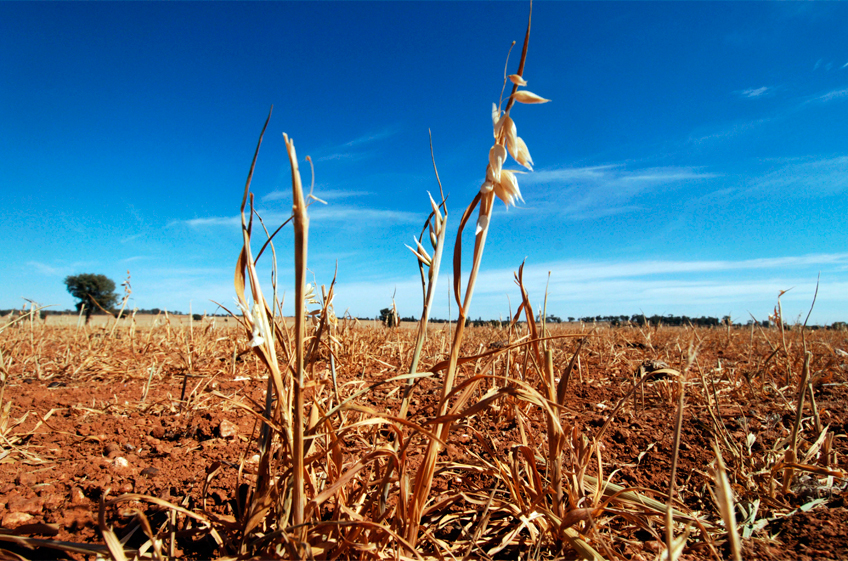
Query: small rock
column 162, row 448
column 48, row 489
column 52, row 500
column 27, row 479
column 654, row 365
column 126, row 487
column 120, row 462
column 227, row 429
column 150, row 471
column 77, row 496
column 15, row 519
column 652, row 546
column 157, row 432
column 29, row 506
column 111, row 448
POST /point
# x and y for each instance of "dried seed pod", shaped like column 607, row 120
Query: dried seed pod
column 523, row 96
column 517, row 80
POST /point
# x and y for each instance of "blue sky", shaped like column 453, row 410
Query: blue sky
column 694, row 159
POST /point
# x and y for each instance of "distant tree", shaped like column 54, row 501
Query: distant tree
column 388, row 317
column 95, row 292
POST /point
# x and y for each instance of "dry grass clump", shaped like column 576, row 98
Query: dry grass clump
column 455, row 442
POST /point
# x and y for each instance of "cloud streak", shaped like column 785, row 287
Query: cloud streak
column 592, row 192
column 134, row 258
column 824, row 177
column 45, row 269
column 353, row 216
column 655, row 287
column 350, row 151
column 594, row 270
column 831, row 95
column 753, row 93
column 324, row 194
column 364, row 216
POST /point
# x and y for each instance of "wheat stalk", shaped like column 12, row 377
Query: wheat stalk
column 502, row 183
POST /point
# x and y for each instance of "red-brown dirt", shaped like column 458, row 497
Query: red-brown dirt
column 88, row 416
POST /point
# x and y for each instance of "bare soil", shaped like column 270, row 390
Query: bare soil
column 158, row 412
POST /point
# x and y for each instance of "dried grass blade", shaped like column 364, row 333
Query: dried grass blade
column 348, row 475
column 443, row 365
column 116, row 549
column 457, row 253
column 724, row 494
column 566, row 375
column 33, row 543
column 301, row 235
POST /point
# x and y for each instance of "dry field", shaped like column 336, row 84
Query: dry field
column 328, row 438
column 140, row 320
column 94, row 424
column 151, row 320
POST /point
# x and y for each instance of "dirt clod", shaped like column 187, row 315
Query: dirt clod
column 226, row 429
column 15, row 519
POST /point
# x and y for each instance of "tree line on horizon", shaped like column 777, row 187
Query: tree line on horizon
column 95, row 295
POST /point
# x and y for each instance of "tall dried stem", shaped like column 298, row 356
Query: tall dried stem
column 257, row 320
column 503, row 184
column 301, row 235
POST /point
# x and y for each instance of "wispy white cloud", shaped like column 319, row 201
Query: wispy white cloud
column 756, row 92
column 353, row 216
column 597, row 191
column 343, row 156
column 128, row 239
column 229, row 221
column 371, row 137
column 821, row 177
column 729, row 131
column 601, row 270
column 831, row 95
column 364, row 216
column 134, row 258
column 352, row 150
column 324, row 194
column 46, row 269
column 654, row 286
